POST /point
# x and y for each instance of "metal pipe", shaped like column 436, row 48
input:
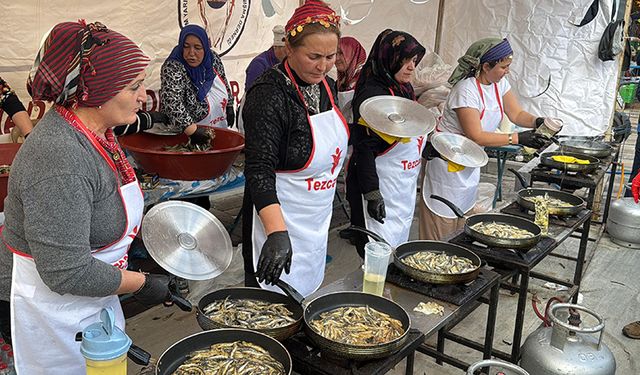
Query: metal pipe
column 436, row 46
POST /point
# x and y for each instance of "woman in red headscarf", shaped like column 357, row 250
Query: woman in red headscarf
column 349, row 61
column 296, row 141
column 74, row 204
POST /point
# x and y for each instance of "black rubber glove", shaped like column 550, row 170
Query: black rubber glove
column 200, row 137
column 154, row 291
column 158, row 117
column 231, row 116
column 539, row 121
column 532, row 139
column 429, row 152
column 274, row 257
column 376, row 210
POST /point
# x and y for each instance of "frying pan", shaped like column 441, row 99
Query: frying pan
column 332, row 301
column 593, row 148
column 577, row 203
column 280, row 333
column 408, row 248
column 509, row 243
column 177, row 353
column 547, row 159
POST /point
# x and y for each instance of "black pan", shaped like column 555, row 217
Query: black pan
column 598, row 149
column 547, row 159
column 280, row 333
column 509, row 243
column 577, row 203
column 408, row 248
column 331, row 301
column 173, row 357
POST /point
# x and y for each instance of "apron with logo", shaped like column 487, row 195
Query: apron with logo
column 398, row 169
column 459, row 187
column 344, row 100
column 44, row 323
column 306, row 199
column 217, row 99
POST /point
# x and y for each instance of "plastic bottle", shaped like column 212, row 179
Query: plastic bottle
column 550, row 127
column 105, row 346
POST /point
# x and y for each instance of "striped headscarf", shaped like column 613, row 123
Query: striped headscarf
column 354, row 57
column 84, row 65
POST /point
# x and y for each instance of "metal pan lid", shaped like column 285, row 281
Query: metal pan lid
column 459, row 149
column 187, row 240
column 397, row 116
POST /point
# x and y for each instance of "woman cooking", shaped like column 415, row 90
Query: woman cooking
column 349, row 61
column 296, row 141
column 384, row 169
column 194, row 89
column 479, row 99
column 74, row 204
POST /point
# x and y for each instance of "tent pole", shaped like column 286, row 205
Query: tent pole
column 436, row 47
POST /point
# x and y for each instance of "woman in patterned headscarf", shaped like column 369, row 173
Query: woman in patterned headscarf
column 296, row 142
column 349, row 61
column 74, row 204
column 478, row 101
column 384, row 169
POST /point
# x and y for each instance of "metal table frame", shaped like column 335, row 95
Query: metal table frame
column 523, row 264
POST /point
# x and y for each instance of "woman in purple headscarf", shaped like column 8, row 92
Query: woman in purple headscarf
column 476, row 105
column 194, row 89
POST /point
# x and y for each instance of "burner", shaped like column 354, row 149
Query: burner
column 458, row 294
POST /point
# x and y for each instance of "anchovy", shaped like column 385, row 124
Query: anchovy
column 249, row 313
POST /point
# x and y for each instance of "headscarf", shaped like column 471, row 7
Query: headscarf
column 85, row 65
column 203, row 75
column 354, row 57
column 484, row 50
column 388, row 53
column 313, row 11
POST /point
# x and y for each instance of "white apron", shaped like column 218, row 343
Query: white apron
column 306, row 199
column 44, row 323
column 344, row 101
column 217, row 99
column 459, row 187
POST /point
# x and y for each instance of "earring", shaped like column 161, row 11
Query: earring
column 99, row 107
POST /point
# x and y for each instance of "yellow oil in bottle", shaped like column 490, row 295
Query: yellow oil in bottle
column 373, row 284
column 117, row 366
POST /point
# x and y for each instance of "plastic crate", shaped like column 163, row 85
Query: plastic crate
column 628, row 92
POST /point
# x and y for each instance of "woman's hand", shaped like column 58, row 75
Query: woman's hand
column 532, row 139
column 275, row 256
column 154, row 291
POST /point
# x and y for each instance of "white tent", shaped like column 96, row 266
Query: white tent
column 546, row 44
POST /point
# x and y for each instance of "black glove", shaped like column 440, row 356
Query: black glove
column 429, row 152
column 539, row 121
column 154, row 291
column 532, row 139
column 231, row 116
column 274, row 257
column 375, row 208
column 201, row 137
column 158, row 117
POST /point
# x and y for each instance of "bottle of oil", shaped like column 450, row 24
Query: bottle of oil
column 105, row 346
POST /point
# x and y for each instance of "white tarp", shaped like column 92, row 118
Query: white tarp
column 582, row 88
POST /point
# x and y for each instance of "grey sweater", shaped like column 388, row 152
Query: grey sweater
column 62, row 202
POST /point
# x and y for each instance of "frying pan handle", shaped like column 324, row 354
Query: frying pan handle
column 182, row 303
column 138, row 355
column 520, row 177
column 290, row 291
column 449, row 204
column 371, row 234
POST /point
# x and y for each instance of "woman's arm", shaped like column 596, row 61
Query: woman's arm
column 515, row 113
column 469, row 119
column 130, row 282
column 173, row 83
column 14, row 108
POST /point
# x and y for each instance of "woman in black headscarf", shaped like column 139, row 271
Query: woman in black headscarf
column 383, row 170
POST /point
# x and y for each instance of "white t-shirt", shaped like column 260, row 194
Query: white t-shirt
column 465, row 95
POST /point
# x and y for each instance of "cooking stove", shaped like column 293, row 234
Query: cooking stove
column 458, row 294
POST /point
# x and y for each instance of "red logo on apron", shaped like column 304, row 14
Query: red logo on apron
column 420, row 142
column 336, row 159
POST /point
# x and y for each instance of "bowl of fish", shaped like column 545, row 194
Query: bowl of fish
column 257, row 309
column 501, row 230
column 437, row 262
column 8, row 152
column 225, row 351
column 356, row 325
column 174, row 158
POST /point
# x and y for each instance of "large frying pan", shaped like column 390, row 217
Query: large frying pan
column 280, row 333
column 547, row 159
column 577, row 203
column 331, row 301
column 593, row 148
column 173, row 357
column 509, row 243
column 412, row 247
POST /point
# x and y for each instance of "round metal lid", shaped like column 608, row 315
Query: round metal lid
column 187, row 240
column 459, row 149
column 397, row 116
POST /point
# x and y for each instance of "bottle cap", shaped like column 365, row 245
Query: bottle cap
column 103, row 341
column 554, row 124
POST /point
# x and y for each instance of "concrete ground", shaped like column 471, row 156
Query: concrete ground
column 610, row 287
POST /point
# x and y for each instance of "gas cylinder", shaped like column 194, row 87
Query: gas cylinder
column 513, row 369
column 566, row 348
